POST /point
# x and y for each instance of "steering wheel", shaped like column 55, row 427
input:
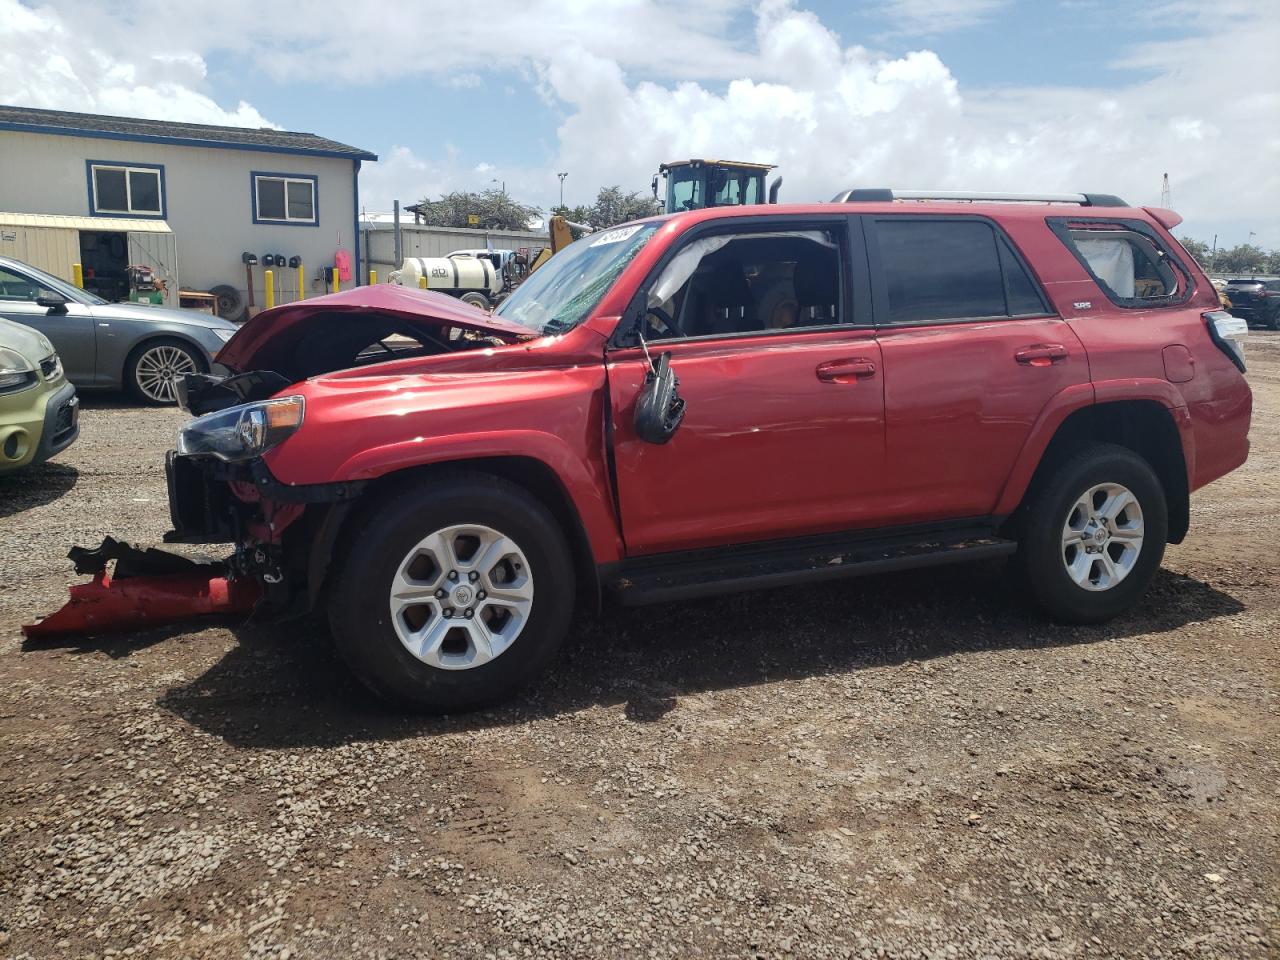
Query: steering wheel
column 668, row 323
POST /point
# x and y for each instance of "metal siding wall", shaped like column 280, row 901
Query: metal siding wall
column 51, row 250
column 159, row 251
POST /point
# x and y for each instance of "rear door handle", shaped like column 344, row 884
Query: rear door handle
column 846, row 371
column 1041, row 354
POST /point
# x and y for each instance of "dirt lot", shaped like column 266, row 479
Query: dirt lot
column 908, row 766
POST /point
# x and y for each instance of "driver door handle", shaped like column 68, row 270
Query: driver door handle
column 1041, row 354
column 848, row 370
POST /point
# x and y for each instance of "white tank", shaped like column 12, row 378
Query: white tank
column 453, row 275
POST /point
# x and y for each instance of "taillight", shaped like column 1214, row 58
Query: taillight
column 1229, row 333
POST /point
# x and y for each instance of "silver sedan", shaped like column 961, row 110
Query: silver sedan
column 143, row 349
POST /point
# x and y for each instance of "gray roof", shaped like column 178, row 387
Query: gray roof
column 168, row 131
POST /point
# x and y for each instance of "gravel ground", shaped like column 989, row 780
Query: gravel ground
column 870, row 768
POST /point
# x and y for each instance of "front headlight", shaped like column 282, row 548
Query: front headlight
column 16, row 371
column 223, row 335
column 242, row 432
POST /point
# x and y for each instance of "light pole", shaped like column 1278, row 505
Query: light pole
column 503, row 184
column 562, row 176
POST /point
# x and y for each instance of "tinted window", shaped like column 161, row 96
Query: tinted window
column 300, row 205
column 1024, row 298
column 144, row 191
column 16, row 287
column 111, row 193
column 270, row 199
column 940, row 270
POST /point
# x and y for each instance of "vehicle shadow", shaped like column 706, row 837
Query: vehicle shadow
column 35, row 486
column 284, row 686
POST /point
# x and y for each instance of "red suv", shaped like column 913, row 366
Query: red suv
column 719, row 400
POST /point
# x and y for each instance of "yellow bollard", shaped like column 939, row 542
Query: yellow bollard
column 268, row 280
column 422, row 283
column 302, row 283
column 335, row 280
column 373, row 278
column 77, row 274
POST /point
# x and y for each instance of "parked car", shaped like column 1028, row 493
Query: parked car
column 39, row 414
column 712, row 401
column 143, row 348
column 1256, row 301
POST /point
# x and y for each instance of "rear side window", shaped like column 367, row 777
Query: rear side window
column 953, row 269
column 1127, row 261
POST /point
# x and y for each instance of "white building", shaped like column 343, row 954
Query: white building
column 188, row 200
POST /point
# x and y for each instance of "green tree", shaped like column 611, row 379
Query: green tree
column 493, row 208
column 612, row 206
column 1244, row 258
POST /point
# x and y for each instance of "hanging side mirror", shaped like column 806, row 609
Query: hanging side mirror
column 52, row 301
column 659, row 409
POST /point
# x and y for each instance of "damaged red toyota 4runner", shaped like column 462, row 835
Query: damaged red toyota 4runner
column 712, row 401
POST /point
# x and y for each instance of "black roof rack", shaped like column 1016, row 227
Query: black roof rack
column 885, row 195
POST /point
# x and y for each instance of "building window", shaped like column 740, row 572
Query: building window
column 285, row 198
column 126, row 190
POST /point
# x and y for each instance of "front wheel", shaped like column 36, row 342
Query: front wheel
column 153, row 369
column 453, row 594
column 1094, row 535
column 476, row 300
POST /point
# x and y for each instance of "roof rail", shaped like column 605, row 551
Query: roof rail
column 884, row 195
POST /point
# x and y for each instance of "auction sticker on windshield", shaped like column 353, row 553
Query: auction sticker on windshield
column 616, row 236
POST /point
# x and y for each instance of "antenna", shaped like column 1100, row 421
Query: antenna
column 1166, row 196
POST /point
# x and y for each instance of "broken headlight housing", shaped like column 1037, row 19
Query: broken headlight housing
column 242, row 432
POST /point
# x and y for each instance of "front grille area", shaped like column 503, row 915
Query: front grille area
column 65, row 420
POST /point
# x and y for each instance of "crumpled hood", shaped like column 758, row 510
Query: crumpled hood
column 274, row 331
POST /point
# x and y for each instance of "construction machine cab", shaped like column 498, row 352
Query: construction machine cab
column 694, row 184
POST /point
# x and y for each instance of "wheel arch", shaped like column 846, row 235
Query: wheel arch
column 153, row 335
column 1145, row 426
column 531, row 474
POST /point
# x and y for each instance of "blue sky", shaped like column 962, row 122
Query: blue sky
column 986, row 94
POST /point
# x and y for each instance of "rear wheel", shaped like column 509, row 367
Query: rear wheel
column 1094, row 535
column 153, row 369
column 476, row 300
column 453, row 595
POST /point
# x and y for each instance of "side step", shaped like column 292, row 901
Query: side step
column 684, row 576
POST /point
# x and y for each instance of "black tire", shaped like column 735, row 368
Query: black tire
column 1040, row 559
column 231, row 305
column 137, row 382
column 476, row 300
column 359, row 607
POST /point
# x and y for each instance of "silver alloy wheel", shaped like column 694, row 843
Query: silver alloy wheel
column 1102, row 536
column 461, row 597
column 159, row 369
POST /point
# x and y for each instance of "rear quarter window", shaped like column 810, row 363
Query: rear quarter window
column 1127, row 260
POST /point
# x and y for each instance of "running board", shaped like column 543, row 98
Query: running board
column 684, row 576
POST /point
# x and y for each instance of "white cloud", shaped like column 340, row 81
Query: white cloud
column 927, row 17
column 641, row 81
column 53, row 60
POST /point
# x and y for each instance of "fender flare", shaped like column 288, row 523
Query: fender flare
column 585, row 484
column 1077, row 397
